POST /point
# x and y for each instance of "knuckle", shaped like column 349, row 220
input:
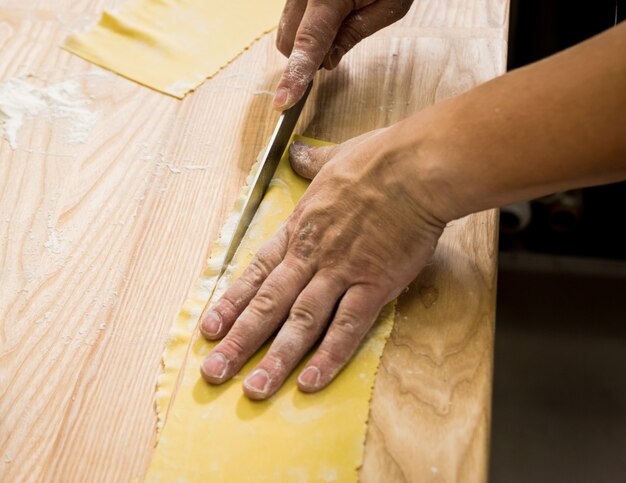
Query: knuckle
column 306, row 37
column 297, row 267
column 232, row 347
column 278, row 362
column 291, row 224
column 265, row 303
column 257, row 271
column 282, row 235
column 318, row 157
column 306, row 237
column 227, row 305
column 348, row 323
column 303, row 249
column 336, row 271
column 365, row 267
column 302, row 319
column 335, row 358
column 286, row 351
column 352, row 34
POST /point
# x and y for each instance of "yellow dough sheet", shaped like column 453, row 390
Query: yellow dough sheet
column 216, row 434
column 174, row 45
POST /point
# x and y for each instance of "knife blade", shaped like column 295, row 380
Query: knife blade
column 268, row 164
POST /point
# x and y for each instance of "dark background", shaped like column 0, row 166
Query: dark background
column 539, row 28
column 559, row 394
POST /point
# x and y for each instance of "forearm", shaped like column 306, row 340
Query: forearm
column 555, row 125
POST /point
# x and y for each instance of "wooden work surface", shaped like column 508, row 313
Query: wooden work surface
column 83, row 321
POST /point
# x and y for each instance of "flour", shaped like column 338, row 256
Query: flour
column 55, row 240
column 300, row 69
column 21, row 99
column 46, row 319
column 177, row 169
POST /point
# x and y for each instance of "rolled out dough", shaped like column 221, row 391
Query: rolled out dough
column 216, row 434
column 174, row 45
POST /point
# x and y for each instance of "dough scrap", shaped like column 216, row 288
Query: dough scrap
column 172, row 46
column 214, row 433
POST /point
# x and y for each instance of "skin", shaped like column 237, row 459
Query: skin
column 378, row 204
column 314, row 33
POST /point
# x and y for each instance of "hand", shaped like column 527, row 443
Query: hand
column 313, row 33
column 378, row 204
column 356, row 239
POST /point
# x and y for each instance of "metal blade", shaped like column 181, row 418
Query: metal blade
column 268, row 164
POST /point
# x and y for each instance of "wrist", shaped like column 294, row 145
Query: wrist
column 422, row 147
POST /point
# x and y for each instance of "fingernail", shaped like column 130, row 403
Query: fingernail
column 300, row 146
column 258, row 381
column 310, row 376
column 215, row 365
column 211, row 324
column 281, row 97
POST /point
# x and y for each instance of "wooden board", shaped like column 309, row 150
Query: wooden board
column 82, row 324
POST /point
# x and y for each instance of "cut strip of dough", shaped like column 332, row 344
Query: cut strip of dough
column 174, row 45
column 214, row 433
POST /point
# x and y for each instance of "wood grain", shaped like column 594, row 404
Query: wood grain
column 430, row 414
column 82, row 325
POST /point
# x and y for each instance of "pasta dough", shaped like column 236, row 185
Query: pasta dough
column 174, row 45
column 216, row 434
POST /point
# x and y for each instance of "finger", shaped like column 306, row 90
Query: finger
column 320, row 23
column 363, row 23
column 260, row 319
column 288, row 25
column 216, row 320
column 307, row 160
column 355, row 315
column 307, row 320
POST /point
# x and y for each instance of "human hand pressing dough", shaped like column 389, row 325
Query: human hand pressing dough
column 356, row 239
column 377, row 205
column 314, row 33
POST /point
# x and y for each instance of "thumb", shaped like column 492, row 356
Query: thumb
column 307, row 160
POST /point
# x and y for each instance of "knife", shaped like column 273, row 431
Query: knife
column 268, row 164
